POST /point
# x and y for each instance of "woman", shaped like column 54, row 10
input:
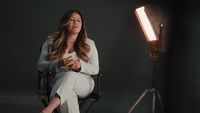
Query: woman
column 74, row 58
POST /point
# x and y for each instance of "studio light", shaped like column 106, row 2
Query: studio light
column 153, row 42
column 151, row 37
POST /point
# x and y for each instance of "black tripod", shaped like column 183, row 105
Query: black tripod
column 155, row 53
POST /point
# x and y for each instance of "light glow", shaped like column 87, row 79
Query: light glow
column 145, row 24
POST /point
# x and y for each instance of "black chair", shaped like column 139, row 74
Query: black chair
column 44, row 89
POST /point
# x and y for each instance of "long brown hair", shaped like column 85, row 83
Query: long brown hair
column 59, row 44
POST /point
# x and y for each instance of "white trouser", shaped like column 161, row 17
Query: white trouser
column 69, row 86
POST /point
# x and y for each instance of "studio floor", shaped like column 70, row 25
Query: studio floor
column 109, row 103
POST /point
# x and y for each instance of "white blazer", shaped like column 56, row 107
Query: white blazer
column 91, row 67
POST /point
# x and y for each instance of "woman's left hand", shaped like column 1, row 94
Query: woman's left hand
column 72, row 64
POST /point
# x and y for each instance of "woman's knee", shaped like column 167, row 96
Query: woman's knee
column 69, row 76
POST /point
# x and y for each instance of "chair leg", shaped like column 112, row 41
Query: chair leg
column 57, row 110
column 82, row 103
column 44, row 102
column 90, row 107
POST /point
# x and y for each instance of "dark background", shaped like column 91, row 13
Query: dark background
column 123, row 52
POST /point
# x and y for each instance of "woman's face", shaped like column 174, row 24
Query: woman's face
column 74, row 24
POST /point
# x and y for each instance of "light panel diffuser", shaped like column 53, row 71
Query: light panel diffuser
column 145, row 24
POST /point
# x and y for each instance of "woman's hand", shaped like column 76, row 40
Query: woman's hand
column 72, row 64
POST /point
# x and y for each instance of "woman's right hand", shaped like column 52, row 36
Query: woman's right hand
column 63, row 61
column 71, row 64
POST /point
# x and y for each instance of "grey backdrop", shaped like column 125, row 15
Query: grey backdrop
column 123, row 52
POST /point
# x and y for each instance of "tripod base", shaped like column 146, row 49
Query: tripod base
column 155, row 93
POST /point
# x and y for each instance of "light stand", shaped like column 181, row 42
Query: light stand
column 155, row 50
column 155, row 54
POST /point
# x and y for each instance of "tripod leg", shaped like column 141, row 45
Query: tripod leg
column 138, row 100
column 153, row 104
column 160, row 100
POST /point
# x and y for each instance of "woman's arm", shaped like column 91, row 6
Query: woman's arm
column 92, row 66
column 43, row 64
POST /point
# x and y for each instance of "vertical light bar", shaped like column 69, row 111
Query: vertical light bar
column 145, row 24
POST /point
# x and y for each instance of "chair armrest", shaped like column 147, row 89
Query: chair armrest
column 44, row 81
column 97, row 78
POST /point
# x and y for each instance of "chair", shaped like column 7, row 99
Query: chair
column 44, row 89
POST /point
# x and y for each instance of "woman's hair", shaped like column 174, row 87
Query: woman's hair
column 59, row 44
